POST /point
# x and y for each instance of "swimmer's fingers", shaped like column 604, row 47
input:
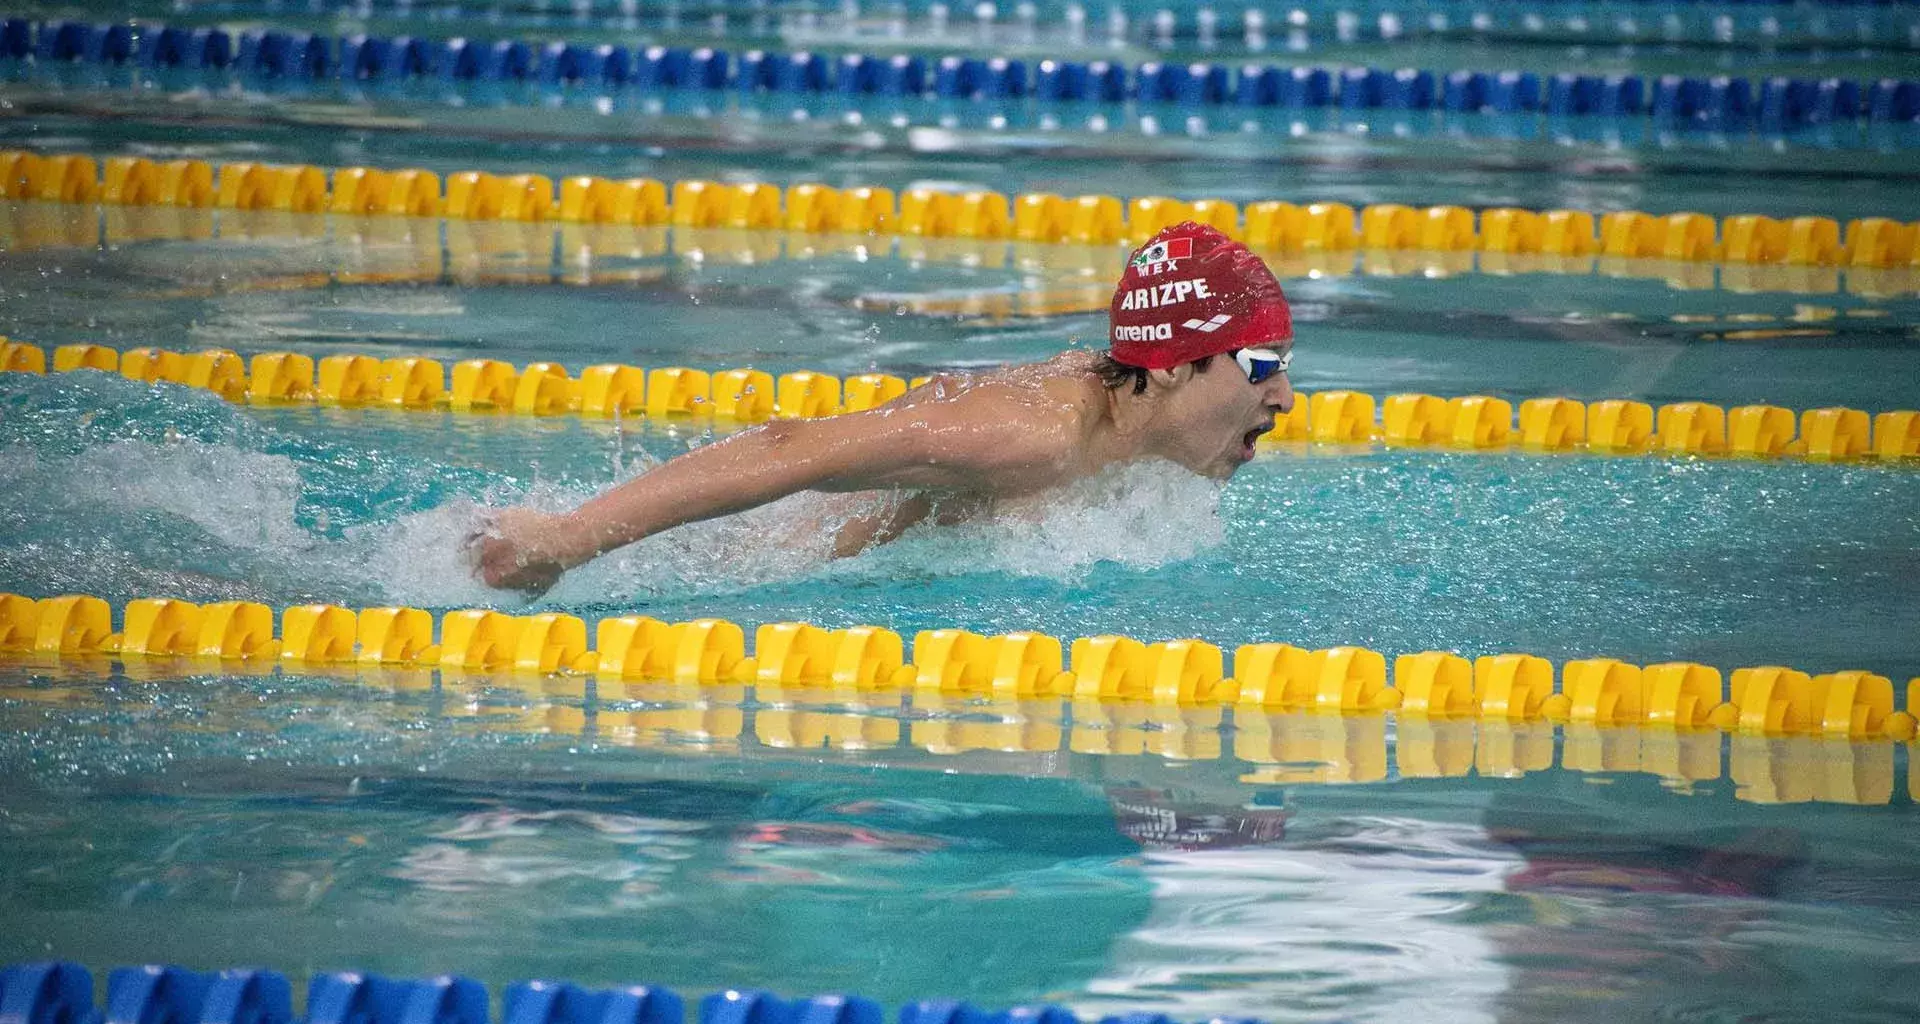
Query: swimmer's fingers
column 506, row 552
column 485, row 524
column 538, row 581
column 473, row 543
column 473, row 550
column 496, row 562
column 504, row 565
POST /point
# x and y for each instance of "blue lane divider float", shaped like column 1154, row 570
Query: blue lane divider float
column 62, row 993
column 541, row 1002
column 1044, row 11
column 353, row 998
column 948, row 1012
column 1210, row 26
column 141, row 995
column 1721, row 102
column 51, row 993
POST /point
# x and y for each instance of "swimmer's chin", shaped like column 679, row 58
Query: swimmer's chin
column 1233, row 463
column 1219, row 470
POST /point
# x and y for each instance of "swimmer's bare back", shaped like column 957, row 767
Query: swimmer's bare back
column 962, row 442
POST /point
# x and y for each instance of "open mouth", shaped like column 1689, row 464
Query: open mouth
column 1251, row 438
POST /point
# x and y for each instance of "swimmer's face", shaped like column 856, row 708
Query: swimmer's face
column 1222, row 414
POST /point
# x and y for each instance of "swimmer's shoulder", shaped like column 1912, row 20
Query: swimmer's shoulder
column 996, row 434
column 1061, row 394
column 1070, row 374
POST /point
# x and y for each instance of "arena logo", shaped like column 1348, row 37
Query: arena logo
column 1143, row 332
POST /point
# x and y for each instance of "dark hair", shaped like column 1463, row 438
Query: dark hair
column 1116, row 374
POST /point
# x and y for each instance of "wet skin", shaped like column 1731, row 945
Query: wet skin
column 957, row 444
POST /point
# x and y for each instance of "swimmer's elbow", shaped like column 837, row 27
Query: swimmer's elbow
column 862, row 450
column 833, row 453
column 789, row 443
column 781, row 435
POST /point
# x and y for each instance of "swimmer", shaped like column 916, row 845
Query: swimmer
column 1200, row 339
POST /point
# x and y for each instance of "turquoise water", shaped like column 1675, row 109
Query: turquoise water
column 314, row 825
column 115, row 490
column 1420, row 159
column 1860, row 40
column 411, row 822
column 412, row 825
column 123, row 489
column 1518, row 336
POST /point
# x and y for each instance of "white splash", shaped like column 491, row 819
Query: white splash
column 1141, row 515
column 250, row 506
column 242, row 505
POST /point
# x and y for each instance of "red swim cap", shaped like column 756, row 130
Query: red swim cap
column 1193, row 292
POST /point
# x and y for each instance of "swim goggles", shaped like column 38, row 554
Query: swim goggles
column 1260, row 363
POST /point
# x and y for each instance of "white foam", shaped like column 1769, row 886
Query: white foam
column 1141, row 516
column 780, row 541
column 246, row 501
column 422, row 559
column 243, row 499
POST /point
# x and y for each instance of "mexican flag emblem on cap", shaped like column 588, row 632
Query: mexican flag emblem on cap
column 1164, row 250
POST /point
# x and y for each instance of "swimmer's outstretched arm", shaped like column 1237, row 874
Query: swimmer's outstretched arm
column 972, row 442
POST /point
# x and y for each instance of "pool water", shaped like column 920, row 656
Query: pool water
column 1860, row 40
column 1108, row 858
column 1417, row 158
column 311, row 824
column 412, row 823
column 393, row 287
column 1641, row 559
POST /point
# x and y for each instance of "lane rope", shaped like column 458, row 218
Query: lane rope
column 573, row 253
column 1264, row 747
column 61, row 990
column 1255, row 32
column 745, row 396
column 1868, row 242
column 871, row 663
column 1719, row 103
column 1297, row 716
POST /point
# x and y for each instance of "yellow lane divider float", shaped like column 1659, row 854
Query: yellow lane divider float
column 1078, row 277
column 1273, row 746
column 958, row 664
column 1473, row 422
column 1869, row 242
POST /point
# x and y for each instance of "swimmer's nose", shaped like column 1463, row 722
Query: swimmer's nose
column 1280, row 394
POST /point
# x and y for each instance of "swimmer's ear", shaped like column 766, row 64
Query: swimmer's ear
column 1171, row 377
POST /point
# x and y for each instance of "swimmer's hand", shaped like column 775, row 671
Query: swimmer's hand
column 513, row 551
